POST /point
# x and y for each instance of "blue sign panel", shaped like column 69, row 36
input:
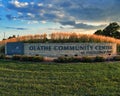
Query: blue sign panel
column 16, row 48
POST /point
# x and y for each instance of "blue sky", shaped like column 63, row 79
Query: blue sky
column 22, row 17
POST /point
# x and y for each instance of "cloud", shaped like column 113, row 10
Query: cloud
column 68, row 23
column 16, row 28
column 33, row 22
column 31, row 15
column 86, row 26
column 40, row 4
column 19, row 4
column 75, row 25
column 67, row 12
column 43, row 22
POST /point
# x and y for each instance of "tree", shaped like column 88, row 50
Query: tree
column 117, row 35
column 11, row 37
column 111, row 30
column 98, row 32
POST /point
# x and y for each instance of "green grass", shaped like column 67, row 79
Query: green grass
column 73, row 79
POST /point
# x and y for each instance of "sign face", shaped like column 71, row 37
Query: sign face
column 14, row 48
column 70, row 49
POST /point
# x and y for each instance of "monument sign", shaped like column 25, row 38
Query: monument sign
column 61, row 49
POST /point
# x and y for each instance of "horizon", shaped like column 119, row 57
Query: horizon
column 24, row 17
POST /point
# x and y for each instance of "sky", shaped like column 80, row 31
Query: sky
column 24, row 17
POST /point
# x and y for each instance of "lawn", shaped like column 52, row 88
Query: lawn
column 55, row 79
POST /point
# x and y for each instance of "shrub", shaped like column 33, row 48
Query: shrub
column 24, row 58
column 60, row 59
column 99, row 59
column 37, row 58
column 8, row 57
column 118, row 49
column 116, row 58
column 64, row 59
column 2, row 56
column 76, row 59
column 87, row 59
column 16, row 57
column 67, row 59
column 28, row 58
column 2, row 49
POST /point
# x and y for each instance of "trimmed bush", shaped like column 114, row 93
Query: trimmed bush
column 64, row 59
column 2, row 49
column 116, row 58
column 99, row 59
column 8, row 57
column 28, row 58
column 37, row 58
column 76, row 59
column 82, row 59
column 60, row 59
column 24, row 58
column 67, row 59
column 118, row 49
column 32, row 58
column 2, row 56
column 16, row 57
column 87, row 59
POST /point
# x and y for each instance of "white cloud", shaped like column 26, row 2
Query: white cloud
column 60, row 15
column 31, row 15
column 20, row 13
column 50, row 5
column 42, row 12
column 40, row 4
column 33, row 22
column 19, row 4
column 32, row 3
column 43, row 22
